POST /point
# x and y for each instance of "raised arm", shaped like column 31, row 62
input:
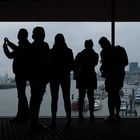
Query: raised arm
column 10, row 44
column 9, row 54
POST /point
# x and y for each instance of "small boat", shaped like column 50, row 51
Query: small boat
column 74, row 104
column 137, row 96
column 124, row 105
column 97, row 104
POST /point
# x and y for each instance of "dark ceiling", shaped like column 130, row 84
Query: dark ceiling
column 68, row 10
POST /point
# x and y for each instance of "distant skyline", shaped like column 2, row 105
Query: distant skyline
column 127, row 35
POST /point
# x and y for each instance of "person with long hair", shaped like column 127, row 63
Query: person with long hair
column 61, row 66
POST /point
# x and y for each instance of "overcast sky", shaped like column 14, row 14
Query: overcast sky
column 127, row 35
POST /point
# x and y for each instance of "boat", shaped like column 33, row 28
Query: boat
column 124, row 105
column 97, row 104
column 137, row 96
column 74, row 104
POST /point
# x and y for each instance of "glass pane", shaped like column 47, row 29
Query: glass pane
column 127, row 35
column 75, row 35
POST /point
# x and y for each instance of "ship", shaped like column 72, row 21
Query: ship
column 74, row 103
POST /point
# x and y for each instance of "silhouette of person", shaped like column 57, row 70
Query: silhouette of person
column 39, row 75
column 20, row 56
column 114, row 60
column 61, row 66
column 85, row 75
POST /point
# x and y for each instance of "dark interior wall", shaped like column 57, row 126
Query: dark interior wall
column 68, row 10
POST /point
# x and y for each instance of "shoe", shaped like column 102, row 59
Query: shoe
column 15, row 120
column 92, row 118
column 19, row 119
column 52, row 125
column 117, row 118
column 68, row 123
column 80, row 118
column 109, row 119
column 38, row 127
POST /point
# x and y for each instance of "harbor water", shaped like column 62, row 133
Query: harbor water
column 8, row 103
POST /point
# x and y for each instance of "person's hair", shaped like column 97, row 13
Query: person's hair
column 104, row 41
column 38, row 33
column 22, row 34
column 59, row 38
column 89, row 44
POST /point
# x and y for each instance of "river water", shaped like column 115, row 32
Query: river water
column 8, row 103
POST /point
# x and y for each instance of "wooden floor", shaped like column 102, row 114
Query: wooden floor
column 128, row 129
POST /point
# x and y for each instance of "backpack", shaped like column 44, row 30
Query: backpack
column 122, row 58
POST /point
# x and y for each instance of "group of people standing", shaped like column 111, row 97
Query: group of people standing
column 37, row 63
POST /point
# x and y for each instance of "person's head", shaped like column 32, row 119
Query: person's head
column 59, row 38
column 89, row 44
column 22, row 34
column 38, row 34
column 104, row 42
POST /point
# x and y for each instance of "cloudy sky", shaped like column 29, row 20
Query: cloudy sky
column 127, row 35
